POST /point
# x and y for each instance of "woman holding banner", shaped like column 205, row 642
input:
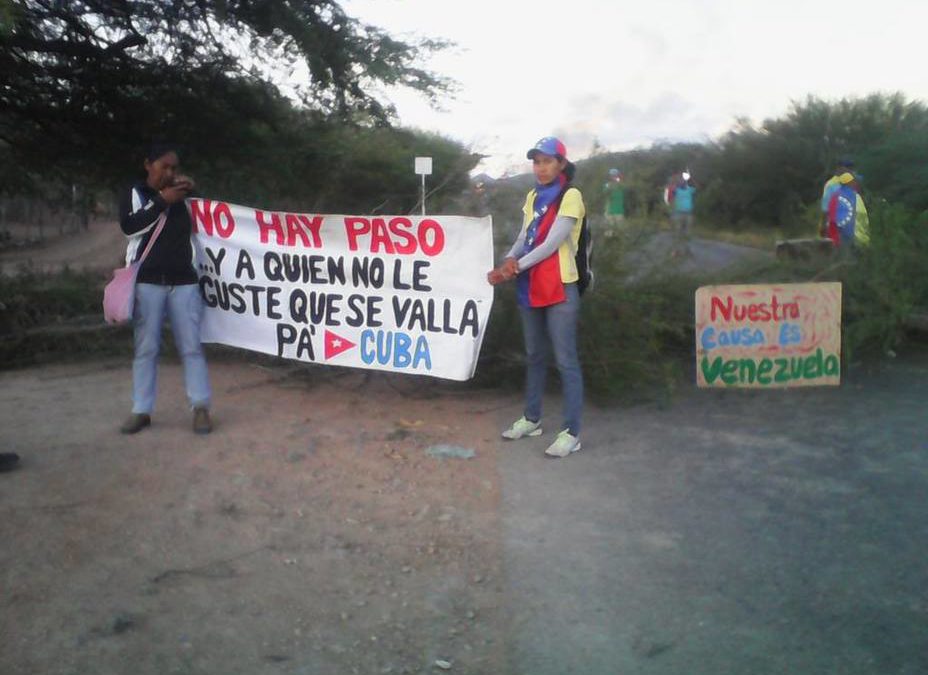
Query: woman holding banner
column 543, row 264
column 152, row 214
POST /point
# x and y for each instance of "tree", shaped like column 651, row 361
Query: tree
column 307, row 163
column 773, row 175
column 83, row 81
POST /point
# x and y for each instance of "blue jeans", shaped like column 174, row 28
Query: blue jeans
column 546, row 327
column 184, row 306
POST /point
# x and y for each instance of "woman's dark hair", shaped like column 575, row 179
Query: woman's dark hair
column 570, row 170
column 160, row 149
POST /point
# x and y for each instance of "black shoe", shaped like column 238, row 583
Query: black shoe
column 202, row 424
column 8, row 461
column 135, row 423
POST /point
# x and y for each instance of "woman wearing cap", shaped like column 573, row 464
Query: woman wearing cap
column 542, row 262
column 166, row 285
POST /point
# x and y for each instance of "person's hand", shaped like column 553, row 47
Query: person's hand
column 507, row 271
column 509, row 268
column 174, row 193
column 182, row 181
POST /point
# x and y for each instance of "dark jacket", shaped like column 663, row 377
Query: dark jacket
column 170, row 262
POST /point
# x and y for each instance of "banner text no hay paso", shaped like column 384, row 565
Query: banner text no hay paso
column 397, row 293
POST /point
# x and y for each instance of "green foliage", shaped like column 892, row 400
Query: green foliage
column 309, row 163
column 882, row 284
column 7, row 16
column 502, row 361
column 887, row 282
column 634, row 338
column 372, row 171
column 31, row 300
column 768, row 176
column 771, row 176
column 82, row 83
column 646, row 172
column 896, row 169
column 50, row 317
column 79, row 103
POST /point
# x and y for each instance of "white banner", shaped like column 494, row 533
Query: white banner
column 400, row 293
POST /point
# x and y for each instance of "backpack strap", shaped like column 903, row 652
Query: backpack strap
column 560, row 198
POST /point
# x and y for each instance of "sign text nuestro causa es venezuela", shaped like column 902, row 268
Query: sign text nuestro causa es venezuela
column 768, row 335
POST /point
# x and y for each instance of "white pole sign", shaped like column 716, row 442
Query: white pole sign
column 423, row 168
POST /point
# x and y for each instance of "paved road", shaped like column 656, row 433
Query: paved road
column 735, row 532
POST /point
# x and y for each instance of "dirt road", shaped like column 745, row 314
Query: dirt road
column 101, row 247
column 310, row 533
column 773, row 532
column 313, row 533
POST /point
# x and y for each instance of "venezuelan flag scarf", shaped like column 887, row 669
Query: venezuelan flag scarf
column 842, row 215
column 541, row 285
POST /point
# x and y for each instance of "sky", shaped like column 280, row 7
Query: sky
column 627, row 74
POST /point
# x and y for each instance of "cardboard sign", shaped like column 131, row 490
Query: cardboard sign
column 399, row 293
column 786, row 335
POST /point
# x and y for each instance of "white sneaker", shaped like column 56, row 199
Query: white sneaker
column 563, row 445
column 522, row 427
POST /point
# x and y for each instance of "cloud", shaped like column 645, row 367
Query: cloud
column 654, row 45
column 618, row 125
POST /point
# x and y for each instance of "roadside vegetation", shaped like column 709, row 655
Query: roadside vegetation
column 756, row 186
column 69, row 142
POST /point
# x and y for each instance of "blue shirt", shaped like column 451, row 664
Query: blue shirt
column 683, row 199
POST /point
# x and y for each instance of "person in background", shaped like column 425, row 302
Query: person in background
column 682, row 214
column 615, row 201
column 166, row 285
column 668, row 191
column 848, row 222
column 543, row 264
column 844, row 165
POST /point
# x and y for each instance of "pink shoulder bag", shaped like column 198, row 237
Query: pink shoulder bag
column 119, row 294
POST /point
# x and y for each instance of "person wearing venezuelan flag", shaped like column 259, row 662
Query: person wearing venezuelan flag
column 843, row 166
column 848, row 222
column 542, row 261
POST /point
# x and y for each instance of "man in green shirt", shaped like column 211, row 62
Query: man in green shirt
column 615, row 200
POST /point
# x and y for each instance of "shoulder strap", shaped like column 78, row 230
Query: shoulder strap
column 560, row 198
column 154, row 235
column 556, row 204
